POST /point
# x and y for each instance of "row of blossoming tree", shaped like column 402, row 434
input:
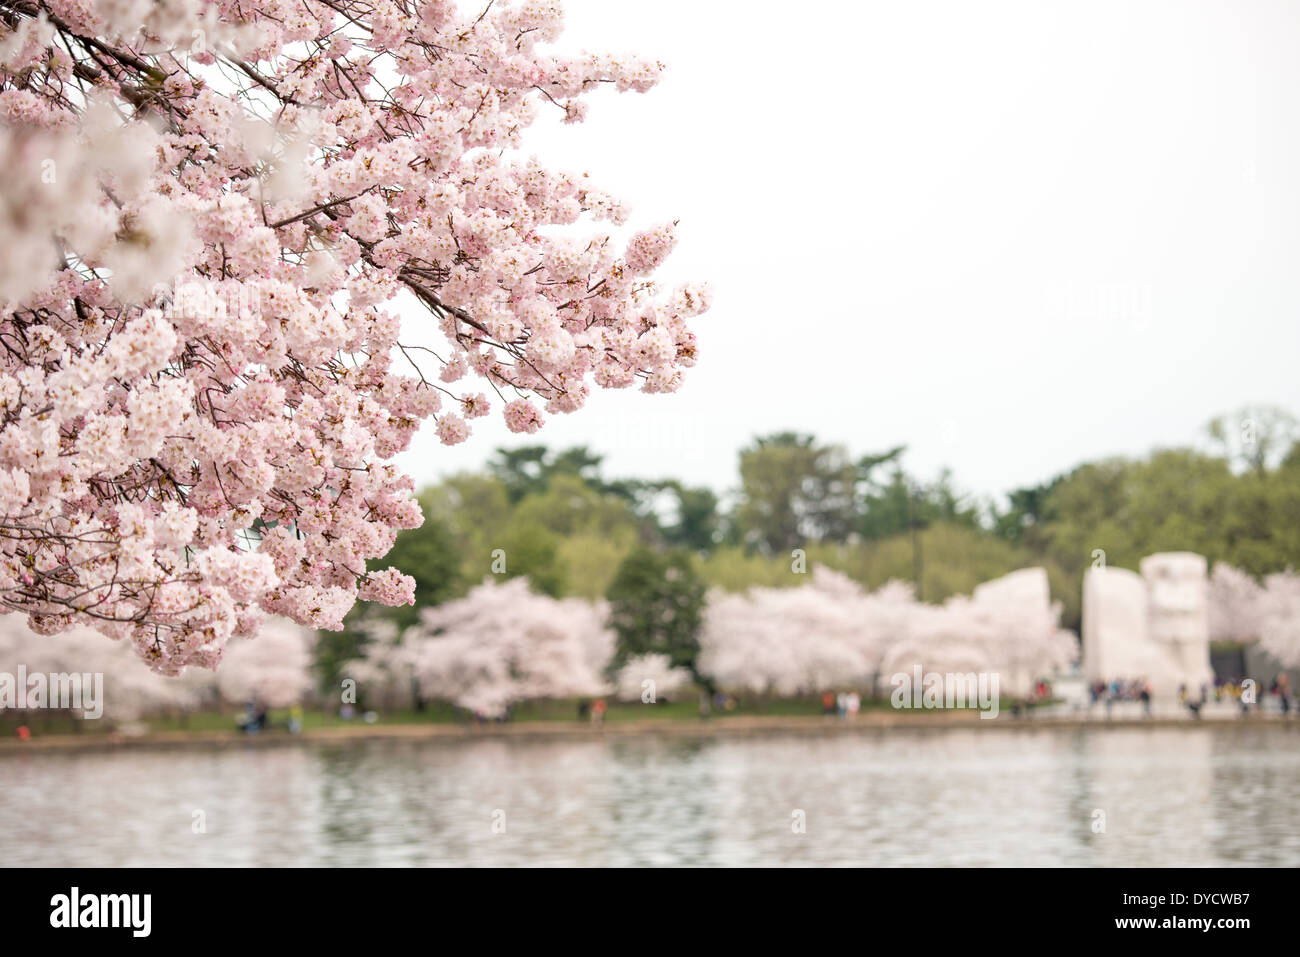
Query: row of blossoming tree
column 504, row 644
column 211, row 212
column 1245, row 609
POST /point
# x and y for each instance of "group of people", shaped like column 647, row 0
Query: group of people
column 846, row 704
column 1137, row 689
column 1240, row 690
column 592, row 710
column 1244, row 692
column 716, row 702
column 255, row 718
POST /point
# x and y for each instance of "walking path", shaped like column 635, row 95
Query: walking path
column 873, row 721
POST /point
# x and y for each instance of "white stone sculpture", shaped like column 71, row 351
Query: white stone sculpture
column 1152, row 626
column 1115, row 625
column 1179, row 612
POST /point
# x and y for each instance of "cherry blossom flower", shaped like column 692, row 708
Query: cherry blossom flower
column 213, row 213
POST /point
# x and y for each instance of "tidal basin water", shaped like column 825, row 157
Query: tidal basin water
column 1193, row 797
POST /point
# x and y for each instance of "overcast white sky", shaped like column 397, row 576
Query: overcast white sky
column 1012, row 235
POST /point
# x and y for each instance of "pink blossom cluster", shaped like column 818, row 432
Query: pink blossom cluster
column 832, row 633
column 1280, row 621
column 649, row 679
column 274, row 668
column 792, row 641
column 211, row 212
column 498, row 645
column 1236, row 604
column 130, row 690
column 1009, row 627
column 1244, row 609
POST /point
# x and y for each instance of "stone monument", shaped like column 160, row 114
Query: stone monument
column 1179, row 613
column 1115, row 625
column 1152, row 626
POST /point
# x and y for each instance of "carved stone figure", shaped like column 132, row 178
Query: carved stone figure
column 1152, row 626
column 1178, row 612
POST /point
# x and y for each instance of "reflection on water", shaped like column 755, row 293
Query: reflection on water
column 1203, row 796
